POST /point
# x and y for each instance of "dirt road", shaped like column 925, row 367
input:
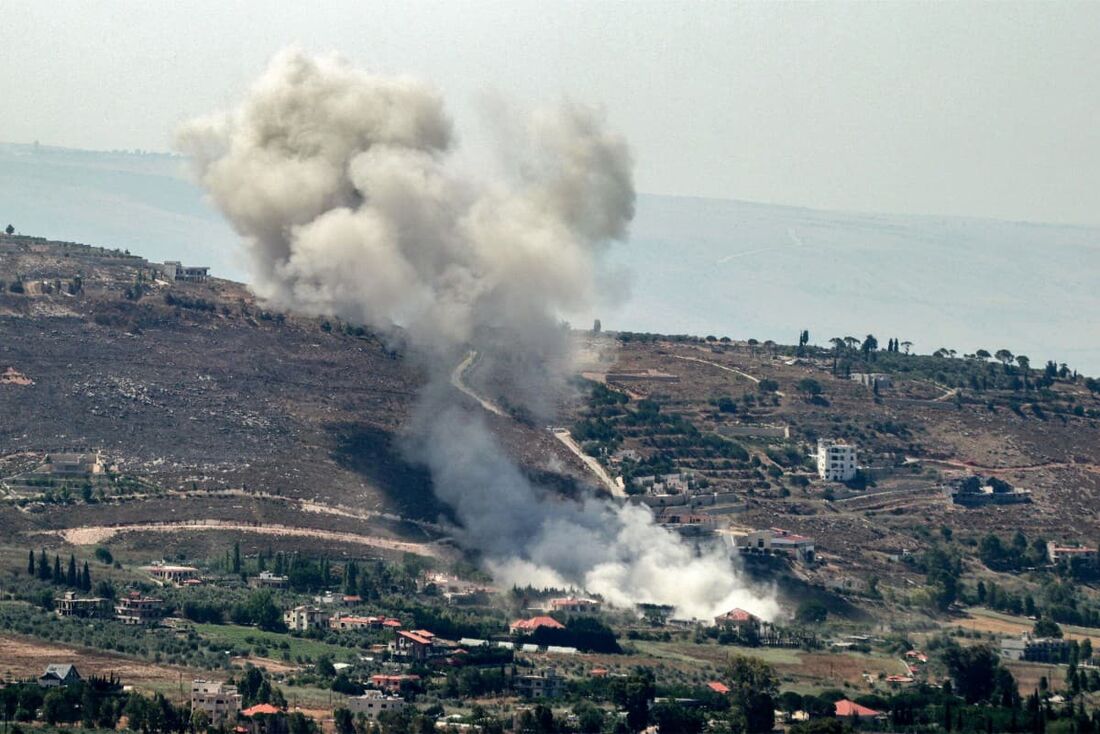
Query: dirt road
column 93, row 535
column 734, row 370
column 458, row 380
column 593, row 466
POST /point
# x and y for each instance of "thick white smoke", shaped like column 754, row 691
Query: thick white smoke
column 343, row 186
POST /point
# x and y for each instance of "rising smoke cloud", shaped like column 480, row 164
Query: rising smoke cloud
column 344, row 188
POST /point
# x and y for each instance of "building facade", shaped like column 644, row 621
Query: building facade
column 836, row 461
column 374, row 703
column 539, row 685
column 221, row 702
column 302, row 618
column 138, row 609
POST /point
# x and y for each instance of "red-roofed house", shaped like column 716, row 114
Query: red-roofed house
column 532, row 624
column 261, row 708
column 392, row 682
column 265, row 719
column 413, row 645
column 846, row 709
column 717, row 687
column 738, row 618
column 598, row 672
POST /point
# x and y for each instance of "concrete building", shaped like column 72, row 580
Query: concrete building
column 303, row 618
column 170, row 574
column 374, row 703
column 70, row 605
column 73, row 465
column 352, row 622
column 1058, row 553
column 873, row 380
column 836, row 461
column 58, row 675
column 221, row 702
column 175, row 270
column 576, row 605
column 268, row 580
column 547, row 684
column 138, row 609
column 777, row 540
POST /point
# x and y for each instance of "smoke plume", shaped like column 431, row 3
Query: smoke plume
column 344, row 188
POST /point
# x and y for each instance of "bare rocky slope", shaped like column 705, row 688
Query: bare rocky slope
column 217, row 408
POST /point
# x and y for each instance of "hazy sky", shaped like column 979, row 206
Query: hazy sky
column 988, row 109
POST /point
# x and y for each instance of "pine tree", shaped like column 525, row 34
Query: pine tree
column 30, row 562
column 86, row 579
column 43, row 566
column 58, row 578
column 70, row 577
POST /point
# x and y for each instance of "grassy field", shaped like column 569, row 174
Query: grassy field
column 298, row 647
column 987, row 620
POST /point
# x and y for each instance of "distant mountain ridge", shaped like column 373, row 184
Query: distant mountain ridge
column 703, row 266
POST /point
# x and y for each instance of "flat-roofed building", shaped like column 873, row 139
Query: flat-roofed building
column 374, row 703
column 220, row 701
column 137, row 609
column 836, row 461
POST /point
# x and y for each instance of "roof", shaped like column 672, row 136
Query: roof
column 718, row 687
column 535, row 622
column 418, row 639
column 844, row 707
column 60, row 670
column 737, row 615
column 572, row 600
column 390, row 623
column 262, row 708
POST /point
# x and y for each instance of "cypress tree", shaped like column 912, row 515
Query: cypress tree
column 58, row 578
column 86, row 579
column 43, row 566
column 236, row 558
column 30, row 562
column 70, row 577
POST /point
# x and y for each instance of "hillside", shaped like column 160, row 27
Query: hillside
column 697, row 266
column 728, row 429
column 213, row 409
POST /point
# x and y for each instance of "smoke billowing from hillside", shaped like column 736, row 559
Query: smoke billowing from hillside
column 345, row 191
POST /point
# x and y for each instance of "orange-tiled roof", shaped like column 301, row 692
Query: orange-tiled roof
column 738, row 615
column 415, row 637
column 718, row 687
column 261, row 708
column 844, row 707
column 529, row 625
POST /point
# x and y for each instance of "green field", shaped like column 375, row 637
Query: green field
column 236, row 636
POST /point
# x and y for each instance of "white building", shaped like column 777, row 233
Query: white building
column 374, row 703
column 836, row 461
column 777, row 540
column 221, row 702
column 300, row 619
column 175, row 270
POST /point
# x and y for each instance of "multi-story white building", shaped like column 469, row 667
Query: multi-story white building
column 221, row 702
column 836, row 461
column 300, row 619
column 374, row 703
